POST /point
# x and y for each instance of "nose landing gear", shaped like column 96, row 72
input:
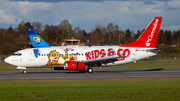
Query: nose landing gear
column 23, row 68
column 24, row 71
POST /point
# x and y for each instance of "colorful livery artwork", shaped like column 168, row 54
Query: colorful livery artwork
column 57, row 59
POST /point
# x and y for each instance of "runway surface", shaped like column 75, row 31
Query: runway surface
column 103, row 73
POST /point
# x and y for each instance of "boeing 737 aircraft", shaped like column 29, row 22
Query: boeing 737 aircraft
column 85, row 57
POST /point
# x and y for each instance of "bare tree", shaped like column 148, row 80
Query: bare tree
column 37, row 27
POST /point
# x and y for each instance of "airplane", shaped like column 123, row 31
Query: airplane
column 83, row 58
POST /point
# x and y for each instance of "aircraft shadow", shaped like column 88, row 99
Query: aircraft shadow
column 124, row 71
column 95, row 71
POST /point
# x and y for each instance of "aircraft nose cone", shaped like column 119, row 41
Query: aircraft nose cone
column 12, row 60
column 7, row 60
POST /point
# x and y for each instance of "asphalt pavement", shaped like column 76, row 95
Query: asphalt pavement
column 103, row 73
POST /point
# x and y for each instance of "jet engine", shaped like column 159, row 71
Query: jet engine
column 74, row 65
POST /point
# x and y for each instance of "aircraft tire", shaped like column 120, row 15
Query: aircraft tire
column 90, row 70
column 24, row 71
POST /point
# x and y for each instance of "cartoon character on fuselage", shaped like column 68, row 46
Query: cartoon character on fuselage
column 57, row 59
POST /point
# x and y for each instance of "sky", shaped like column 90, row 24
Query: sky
column 86, row 14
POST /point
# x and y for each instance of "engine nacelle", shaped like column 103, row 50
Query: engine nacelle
column 74, row 65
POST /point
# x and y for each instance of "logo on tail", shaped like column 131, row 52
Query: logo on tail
column 37, row 40
column 150, row 37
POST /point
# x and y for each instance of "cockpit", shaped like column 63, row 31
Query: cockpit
column 17, row 54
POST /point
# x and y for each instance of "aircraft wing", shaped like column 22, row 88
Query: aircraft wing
column 98, row 62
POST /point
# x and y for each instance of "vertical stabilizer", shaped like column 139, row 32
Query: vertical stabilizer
column 149, row 37
column 36, row 40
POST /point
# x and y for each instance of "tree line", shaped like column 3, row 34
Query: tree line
column 15, row 39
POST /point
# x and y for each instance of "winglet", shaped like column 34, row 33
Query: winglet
column 89, row 45
column 36, row 40
column 149, row 37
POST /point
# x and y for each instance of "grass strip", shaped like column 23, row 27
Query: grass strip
column 92, row 90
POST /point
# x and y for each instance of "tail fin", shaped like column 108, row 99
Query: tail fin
column 36, row 40
column 149, row 37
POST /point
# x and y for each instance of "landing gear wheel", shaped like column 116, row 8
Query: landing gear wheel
column 90, row 70
column 24, row 71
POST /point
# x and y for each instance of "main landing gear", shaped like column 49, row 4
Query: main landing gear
column 89, row 70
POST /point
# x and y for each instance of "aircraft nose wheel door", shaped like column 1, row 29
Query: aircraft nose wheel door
column 134, row 56
column 31, row 55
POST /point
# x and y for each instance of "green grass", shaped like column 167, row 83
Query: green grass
column 4, row 66
column 92, row 90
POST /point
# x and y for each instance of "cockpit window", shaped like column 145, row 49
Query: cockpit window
column 17, row 54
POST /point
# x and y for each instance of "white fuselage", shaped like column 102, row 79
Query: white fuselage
column 56, row 56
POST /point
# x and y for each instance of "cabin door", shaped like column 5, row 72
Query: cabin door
column 31, row 55
column 134, row 55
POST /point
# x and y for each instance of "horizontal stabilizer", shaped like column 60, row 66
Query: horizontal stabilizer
column 162, row 48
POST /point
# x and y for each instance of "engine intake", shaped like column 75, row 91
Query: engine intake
column 74, row 65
